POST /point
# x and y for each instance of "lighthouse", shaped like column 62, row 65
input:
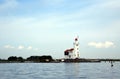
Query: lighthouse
column 76, row 48
column 73, row 53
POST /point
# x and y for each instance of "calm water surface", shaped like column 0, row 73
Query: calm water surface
column 59, row 71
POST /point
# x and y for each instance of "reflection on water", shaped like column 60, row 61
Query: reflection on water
column 72, row 70
column 59, row 71
column 92, row 71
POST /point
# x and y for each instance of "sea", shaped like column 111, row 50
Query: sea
column 101, row 70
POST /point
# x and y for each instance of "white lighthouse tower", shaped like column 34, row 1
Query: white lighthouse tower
column 76, row 48
column 73, row 53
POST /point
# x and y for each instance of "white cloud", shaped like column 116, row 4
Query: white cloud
column 52, row 2
column 8, row 4
column 8, row 46
column 106, row 44
column 29, row 47
column 20, row 47
column 111, row 4
column 66, row 20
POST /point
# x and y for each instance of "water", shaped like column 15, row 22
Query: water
column 59, row 71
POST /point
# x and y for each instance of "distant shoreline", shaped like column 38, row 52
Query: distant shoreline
column 50, row 60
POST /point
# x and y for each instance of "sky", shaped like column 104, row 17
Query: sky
column 49, row 27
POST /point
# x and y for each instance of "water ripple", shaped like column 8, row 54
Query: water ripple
column 59, row 71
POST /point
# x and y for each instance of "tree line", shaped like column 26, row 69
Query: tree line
column 44, row 58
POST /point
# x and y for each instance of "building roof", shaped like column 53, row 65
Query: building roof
column 69, row 50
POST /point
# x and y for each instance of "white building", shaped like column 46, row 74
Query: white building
column 72, row 53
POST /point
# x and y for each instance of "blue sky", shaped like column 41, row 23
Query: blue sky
column 48, row 27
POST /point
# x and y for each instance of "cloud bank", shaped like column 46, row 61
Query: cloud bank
column 8, row 4
column 21, row 47
column 106, row 44
column 8, row 46
column 29, row 47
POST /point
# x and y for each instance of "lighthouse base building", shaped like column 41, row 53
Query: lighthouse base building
column 73, row 53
